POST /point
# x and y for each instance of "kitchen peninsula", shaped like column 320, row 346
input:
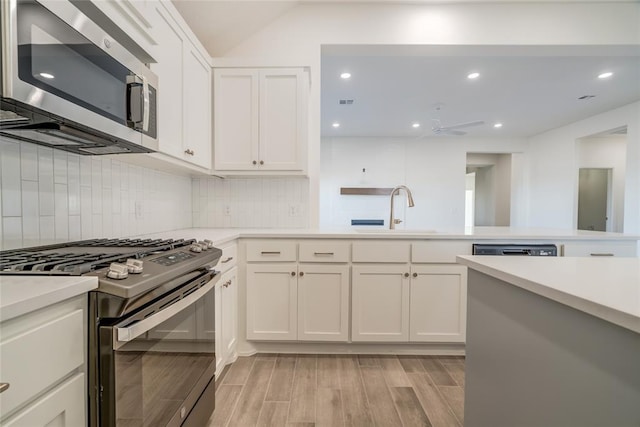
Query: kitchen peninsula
column 554, row 340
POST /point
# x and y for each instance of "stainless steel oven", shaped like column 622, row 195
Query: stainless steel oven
column 151, row 325
column 68, row 84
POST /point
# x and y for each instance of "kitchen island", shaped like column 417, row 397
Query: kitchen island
column 552, row 341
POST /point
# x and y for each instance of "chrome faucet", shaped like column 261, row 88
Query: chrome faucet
column 392, row 220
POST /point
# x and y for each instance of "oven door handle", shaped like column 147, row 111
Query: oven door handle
column 129, row 333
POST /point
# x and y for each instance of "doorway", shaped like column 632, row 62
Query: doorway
column 488, row 189
column 594, row 199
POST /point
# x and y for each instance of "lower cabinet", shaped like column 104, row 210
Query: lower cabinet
column 402, row 303
column 438, row 309
column 298, row 302
column 272, row 296
column 380, row 303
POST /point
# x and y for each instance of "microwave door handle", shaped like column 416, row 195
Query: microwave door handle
column 145, row 105
column 125, row 334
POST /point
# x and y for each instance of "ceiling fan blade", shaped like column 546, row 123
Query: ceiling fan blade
column 463, row 125
column 454, row 132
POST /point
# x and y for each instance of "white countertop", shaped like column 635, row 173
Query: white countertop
column 608, row 288
column 23, row 294
column 222, row 235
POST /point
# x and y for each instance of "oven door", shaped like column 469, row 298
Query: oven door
column 156, row 364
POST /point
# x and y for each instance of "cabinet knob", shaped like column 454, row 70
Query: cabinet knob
column 415, row 274
column 293, row 273
column 262, row 162
column 254, row 162
column 406, row 274
column 301, row 273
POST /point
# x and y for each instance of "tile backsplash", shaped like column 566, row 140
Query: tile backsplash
column 53, row 196
column 251, row 202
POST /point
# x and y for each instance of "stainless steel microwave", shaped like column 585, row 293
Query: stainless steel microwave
column 67, row 84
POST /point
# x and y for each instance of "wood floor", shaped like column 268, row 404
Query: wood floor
column 341, row 390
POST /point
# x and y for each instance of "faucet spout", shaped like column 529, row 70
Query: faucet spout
column 410, row 203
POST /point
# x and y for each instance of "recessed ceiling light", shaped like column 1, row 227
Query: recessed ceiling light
column 46, row 75
column 473, row 76
column 345, row 76
column 605, row 75
column 415, row 125
column 497, row 125
column 335, row 124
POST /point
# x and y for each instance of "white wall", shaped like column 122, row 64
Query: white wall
column 553, row 161
column 296, row 39
column 610, row 153
column 433, row 168
column 250, row 202
column 53, row 196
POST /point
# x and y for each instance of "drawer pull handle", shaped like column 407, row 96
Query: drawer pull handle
column 227, row 260
column 4, row 387
column 270, row 252
column 601, row 254
column 323, row 253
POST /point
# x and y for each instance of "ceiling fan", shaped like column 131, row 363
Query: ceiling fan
column 438, row 129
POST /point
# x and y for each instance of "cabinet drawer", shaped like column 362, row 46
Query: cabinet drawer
column 619, row 249
column 229, row 257
column 388, row 252
column 320, row 251
column 439, row 251
column 271, row 250
column 36, row 359
column 63, row 406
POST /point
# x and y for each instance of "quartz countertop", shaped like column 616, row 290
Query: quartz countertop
column 22, row 294
column 222, row 235
column 608, row 288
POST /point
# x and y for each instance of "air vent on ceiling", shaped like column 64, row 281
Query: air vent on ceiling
column 587, row 97
column 345, row 101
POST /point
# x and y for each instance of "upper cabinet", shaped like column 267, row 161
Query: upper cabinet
column 260, row 120
column 184, row 95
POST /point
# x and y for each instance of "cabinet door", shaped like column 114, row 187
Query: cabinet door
column 272, row 301
column 438, row 303
column 380, row 303
column 170, row 82
column 235, row 119
column 323, row 302
column 197, row 109
column 283, row 113
column 229, row 327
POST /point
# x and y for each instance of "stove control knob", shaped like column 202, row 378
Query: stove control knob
column 117, row 271
column 195, row 248
column 203, row 245
column 134, row 266
column 209, row 243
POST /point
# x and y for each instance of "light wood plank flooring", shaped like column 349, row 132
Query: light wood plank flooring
column 341, row 390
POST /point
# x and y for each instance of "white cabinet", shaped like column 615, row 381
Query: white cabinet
column 380, row 303
column 600, row 248
column 42, row 357
column 323, row 302
column 226, row 318
column 184, row 94
column 272, row 301
column 438, row 309
column 260, row 119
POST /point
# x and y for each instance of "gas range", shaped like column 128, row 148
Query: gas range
column 125, row 267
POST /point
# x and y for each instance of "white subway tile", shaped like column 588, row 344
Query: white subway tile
column 85, row 212
column 60, row 167
column 11, row 232
column 45, row 181
column 30, row 199
column 115, row 175
column 96, row 221
column 85, row 170
column 47, row 230
column 10, row 174
column 107, row 225
column 61, row 213
column 75, row 227
column 30, row 231
column 96, row 186
column 106, row 173
column 29, row 161
column 73, row 178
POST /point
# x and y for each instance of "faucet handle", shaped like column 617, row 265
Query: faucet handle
column 397, row 221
